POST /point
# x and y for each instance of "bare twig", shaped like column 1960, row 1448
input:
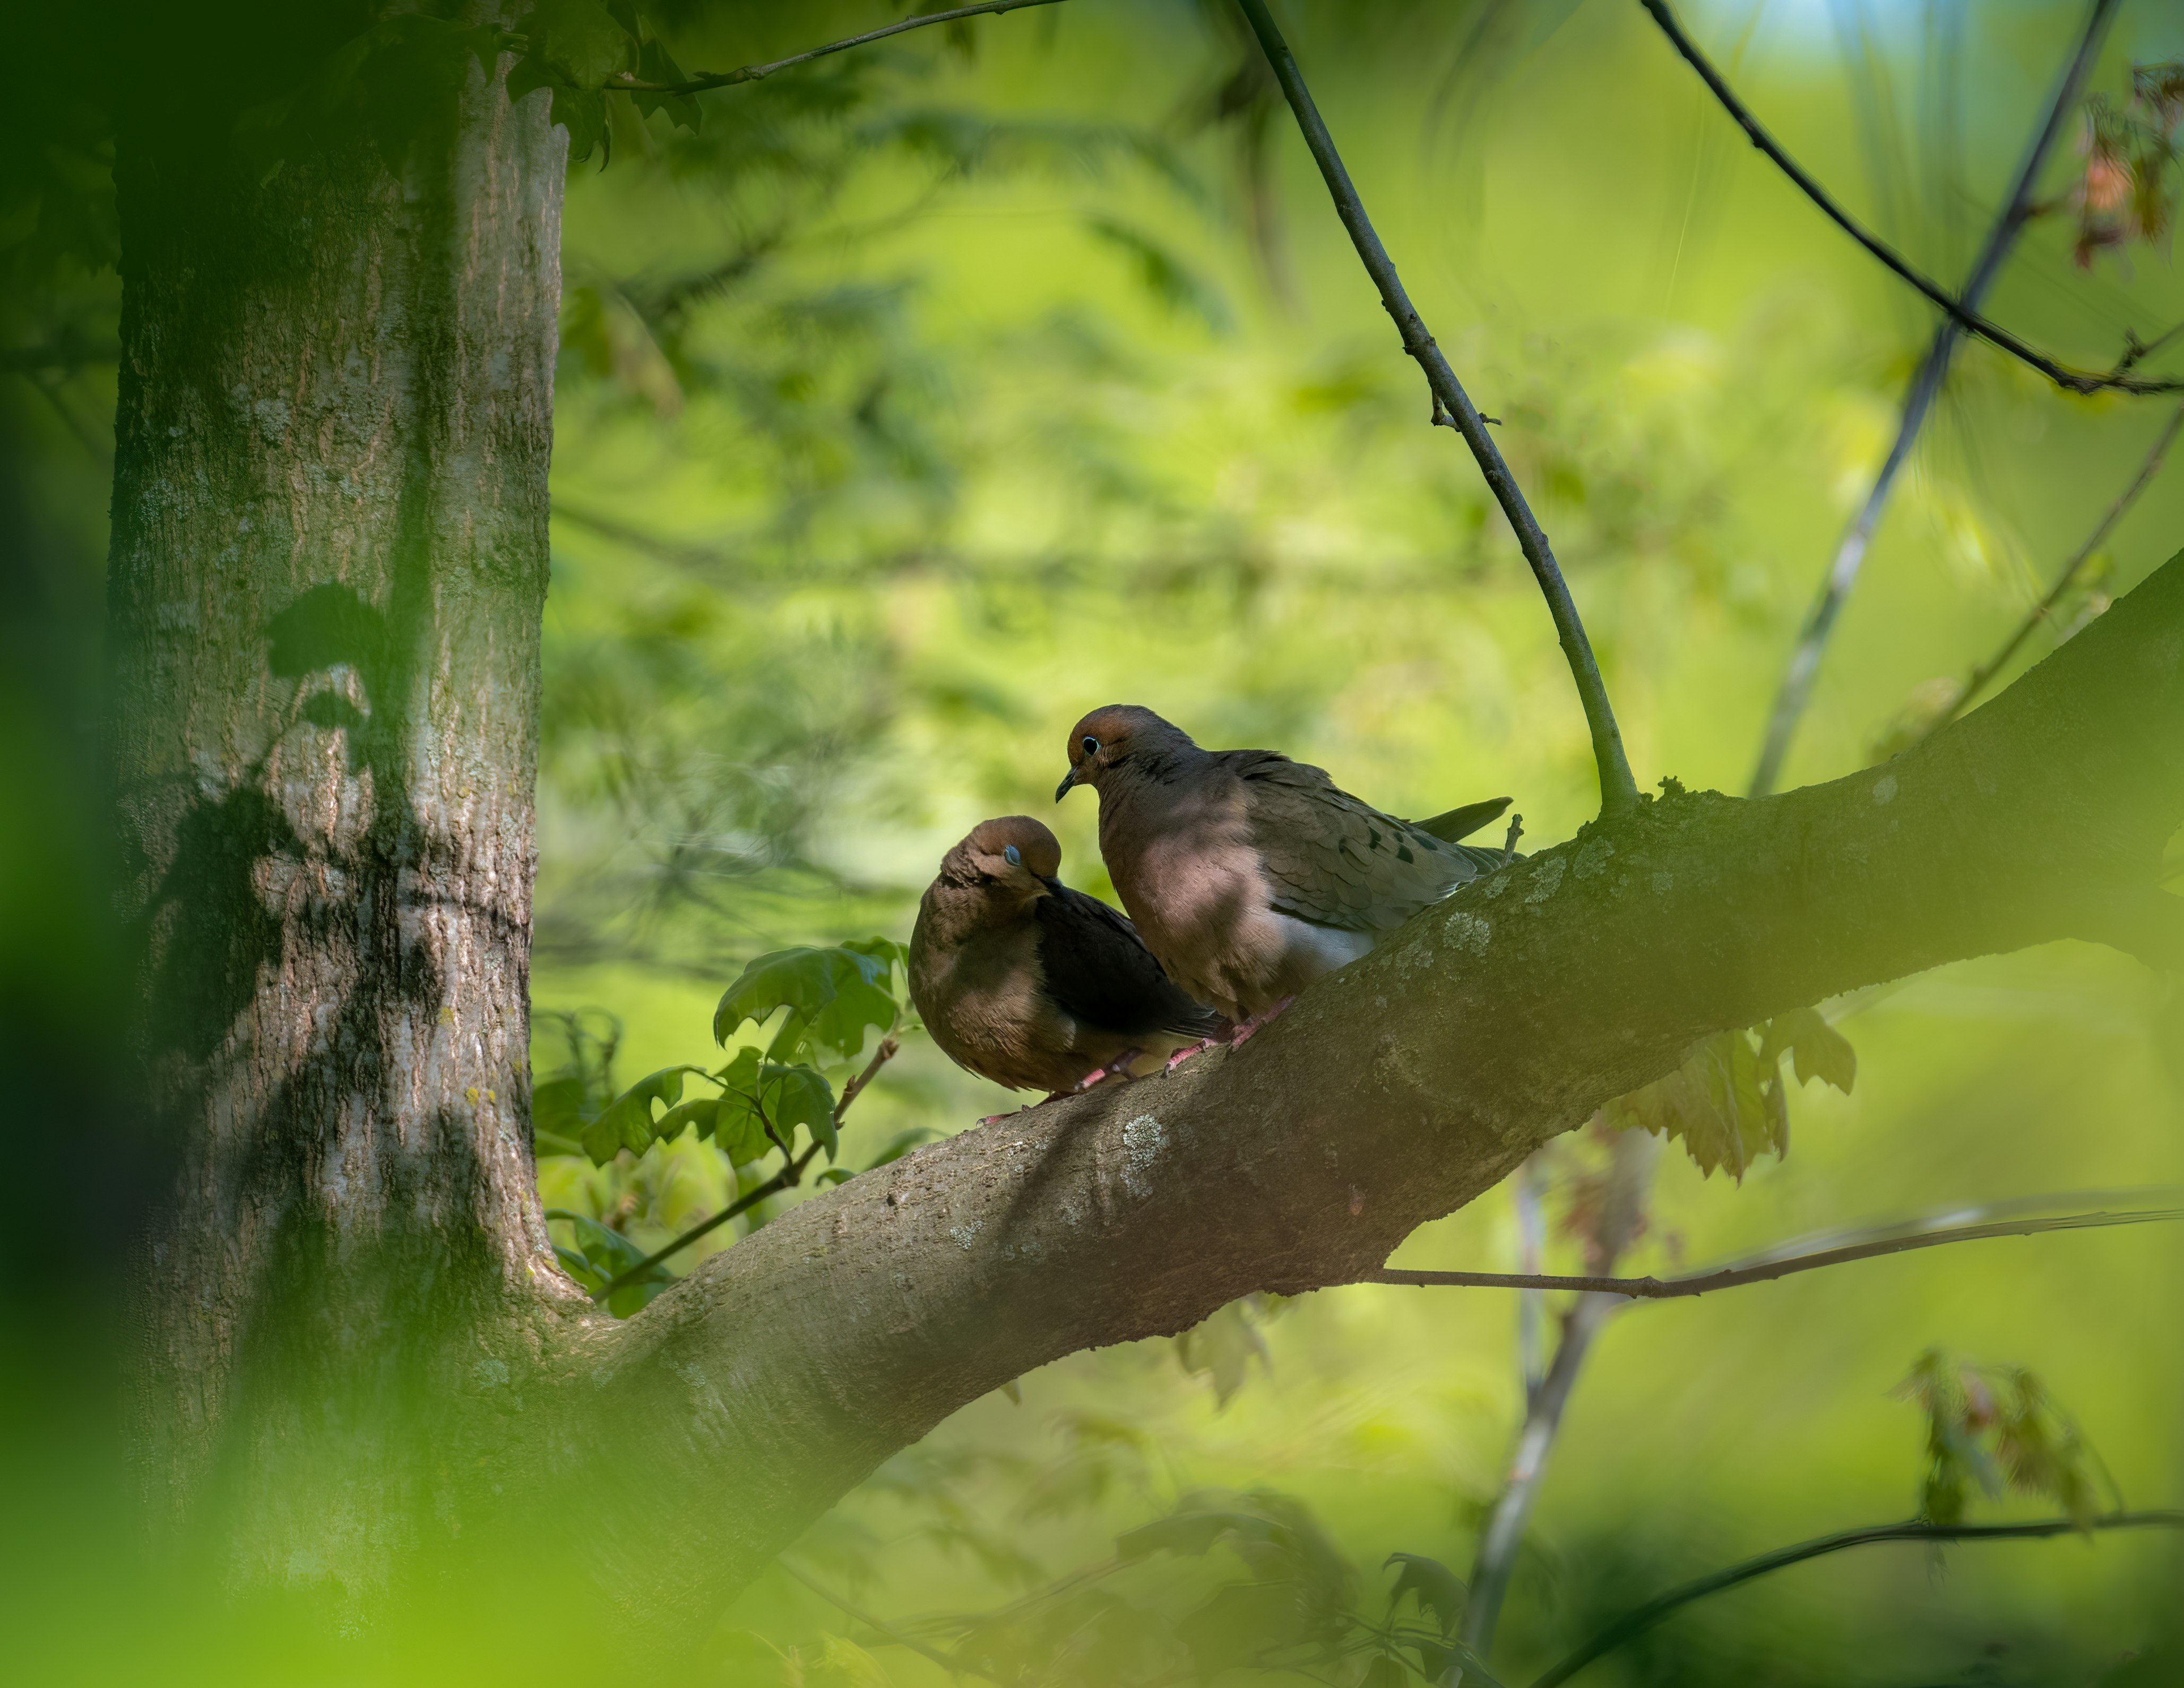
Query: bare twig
column 1630, row 1177
column 1618, row 793
column 2136, row 349
column 752, row 73
column 1530, row 1192
column 1980, row 676
column 1509, row 843
column 787, row 1179
column 1641, row 1618
column 1729, row 1278
column 885, row 1631
column 1797, row 678
column 2071, row 380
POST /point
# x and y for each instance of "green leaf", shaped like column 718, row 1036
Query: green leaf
column 885, row 951
column 701, row 1111
column 1714, row 1103
column 578, row 1265
column 1438, row 1590
column 1223, row 1346
column 626, row 1122
column 1819, row 1050
column 583, row 113
column 759, row 1091
column 831, row 996
column 801, row 1095
column 655, row 64
column 579, row 40
column 1193, row 1535
column 558, row 1106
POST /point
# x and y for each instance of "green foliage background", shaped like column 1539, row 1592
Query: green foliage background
column 933, row 394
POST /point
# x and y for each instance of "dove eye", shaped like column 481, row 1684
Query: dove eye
column 1013, row 859
column 1091, row 744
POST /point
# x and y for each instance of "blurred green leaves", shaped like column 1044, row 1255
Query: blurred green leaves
column 1995, row 1429
column 1728, row 1104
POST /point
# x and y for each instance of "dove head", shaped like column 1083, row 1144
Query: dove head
column 1011, row 858
column 1113, row 736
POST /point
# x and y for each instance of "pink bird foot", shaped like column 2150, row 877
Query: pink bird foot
column 1185, row 1053
column 1244, row 1031
column 1119, row 1068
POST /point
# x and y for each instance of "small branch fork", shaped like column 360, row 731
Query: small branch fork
column 1981, row 677
column 787, row 1179
column 1453, row 406
column 2071, row 380
column 1651, row 1288
column 752, row 73
column 1637, row 1621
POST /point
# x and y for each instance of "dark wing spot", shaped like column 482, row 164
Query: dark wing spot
column 1403, row 853
column 1429, row 841
column 1373, row 838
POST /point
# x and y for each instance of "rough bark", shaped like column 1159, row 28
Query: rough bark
column 1391, row 1093
column 327, row 573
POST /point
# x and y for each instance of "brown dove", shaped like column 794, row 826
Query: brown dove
column 1032, row 985
column 1248, row 875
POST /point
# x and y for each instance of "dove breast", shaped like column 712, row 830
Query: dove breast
column 1024, row 981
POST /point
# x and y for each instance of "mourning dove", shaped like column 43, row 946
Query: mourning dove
column 1030, row 984
column 1250, row 874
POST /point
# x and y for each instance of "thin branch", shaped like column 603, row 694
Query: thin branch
column 1641, row 1618
column 884, row 1630
column 1803, row 667
column 1618, row 792
column 1729, row 1278
column 2071, row 380
column 2135, row 348
column 1982, row 676
column 787, row 1179
column 1623, row 1216
column 752, row 73
column 1530, row 1193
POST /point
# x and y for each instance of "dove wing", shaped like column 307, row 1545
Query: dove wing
column 1334, row 861
column 1099, row 971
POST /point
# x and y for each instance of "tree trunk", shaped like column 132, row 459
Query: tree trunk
column 328, row 568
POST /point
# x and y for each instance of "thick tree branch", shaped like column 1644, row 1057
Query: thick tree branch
column 752, row 73
column 1636, row 1623
column 1392, row 1092
column 1804, row 664
column 1618, row 792
column 2071, row 380
column 1650, row 1288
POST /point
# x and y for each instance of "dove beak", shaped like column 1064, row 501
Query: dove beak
column 1068, row 780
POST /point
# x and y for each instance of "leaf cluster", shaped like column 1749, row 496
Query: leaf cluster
column 1991, row 1429
column 2126, row 193
column 1727, row 1103
column 762, row 1100
column 573, row 48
